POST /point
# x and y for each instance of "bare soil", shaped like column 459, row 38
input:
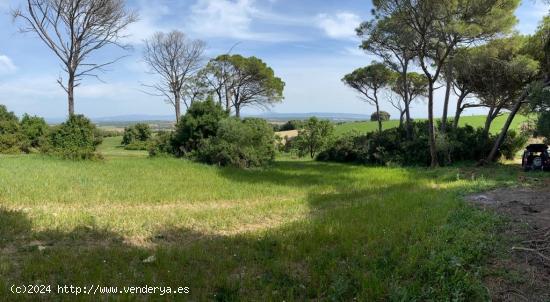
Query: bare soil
column 523, row 273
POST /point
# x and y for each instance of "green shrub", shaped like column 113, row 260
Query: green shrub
column 243, row 144
column 35, row 130
column 513, row 144
column 199, row 123
column 162, row 144
column 137, row 133
column 392, row 146
column 138, row 146
column 11, row 137
column 314, row 137
column 74, row 139
column 543, row 125
column 292, row 125
column 384, row 116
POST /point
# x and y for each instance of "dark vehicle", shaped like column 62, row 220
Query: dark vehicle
column 536, row 157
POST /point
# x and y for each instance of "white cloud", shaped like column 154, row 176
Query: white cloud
column 234, row 19
column 6, row 65
column 150, row 15
column 339, row 26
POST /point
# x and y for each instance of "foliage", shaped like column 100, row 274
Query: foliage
column 199, row 123
column 162, row 144
column 10, row 134
column 392, row 146
column 244, row 81
column 137, row 133
column 314, row 137
column 384, row 116
column 292, row 125
column 74, row 139
column 369, row 81
column 242, row 144
column 35, row 130
column 543, row 125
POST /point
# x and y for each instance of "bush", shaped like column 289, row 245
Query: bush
column 199, row 123
column 392, row 147
column 162, row 144
column 35, row 130
column 136, row 134
column 243, row 144
column 384, row 116
column 11, row 137
column 138, row 146
column 292, row 125
column 74, row 139
column 543, row 125
column 314, row 137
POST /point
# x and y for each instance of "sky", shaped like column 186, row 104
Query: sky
column 310, row 44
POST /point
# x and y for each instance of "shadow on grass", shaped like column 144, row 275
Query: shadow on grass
column 402, row 240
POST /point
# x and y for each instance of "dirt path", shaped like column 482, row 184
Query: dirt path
column 524, row 273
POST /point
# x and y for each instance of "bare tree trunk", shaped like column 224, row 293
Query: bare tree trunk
column 488, row 122
column 70, row 93
column 237, row 111
column 446, row 106
column 459, row 110
column 177, row 106
column 401, row 119
column 378, row 114
column 504, row 132
column 407, row 102
column 431, row 130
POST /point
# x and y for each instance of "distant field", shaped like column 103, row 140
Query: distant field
column 474, row 121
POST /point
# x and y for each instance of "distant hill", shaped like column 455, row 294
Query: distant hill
column 336, row 117
column 270, row 116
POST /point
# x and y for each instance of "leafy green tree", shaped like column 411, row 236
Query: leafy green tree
column 394, row 43
column 34, row 129
column 244, row 82
column 10, row 135
column 200, row 122
column 439, row 27
column 369, row 82
column 315, row 136
column 409, row 89
column 499, row 74
column 537, row 93
column 380, row 116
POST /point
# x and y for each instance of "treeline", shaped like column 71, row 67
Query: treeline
column 469, row 48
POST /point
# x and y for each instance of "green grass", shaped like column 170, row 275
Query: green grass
column 296, row 231
column 474, row 121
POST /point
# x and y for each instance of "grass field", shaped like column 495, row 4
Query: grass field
column 474, row 121
column 296, row 231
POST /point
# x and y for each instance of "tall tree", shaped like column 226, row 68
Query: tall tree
column 369, row 82
column 538, row 47
column 409, row 89
column 244, row 82
column 439, row 27
column 461, row 75
column 75, row 29
column 500, row 73
column 176, row 60
column 395, row 45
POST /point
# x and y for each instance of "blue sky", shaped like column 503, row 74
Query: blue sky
column 310, row 45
